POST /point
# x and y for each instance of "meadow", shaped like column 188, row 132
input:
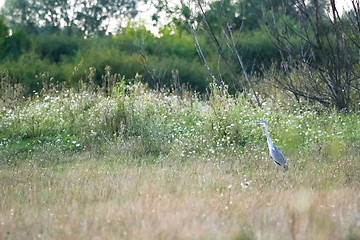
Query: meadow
column 128, row 162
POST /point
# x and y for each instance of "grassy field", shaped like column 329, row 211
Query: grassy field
column 139, row 164
column 117, row 197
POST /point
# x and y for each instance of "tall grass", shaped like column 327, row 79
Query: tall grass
column 162, row 123
column 118, row 197
column 124, row 161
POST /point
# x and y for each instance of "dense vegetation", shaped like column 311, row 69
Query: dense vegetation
column 136, row 136
column 134, row 162
column 164, row 123
column 308, row 50
column 67, row 59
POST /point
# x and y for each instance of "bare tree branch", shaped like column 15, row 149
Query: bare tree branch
column 219, row 48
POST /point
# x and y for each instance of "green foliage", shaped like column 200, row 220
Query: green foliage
column 170, row 60
column 151, row 123
column 257, row 48
column 17, row 44
column 4, row 33
column 27, row 68
column 91, row 18
column 68, row 58
column 56, row 46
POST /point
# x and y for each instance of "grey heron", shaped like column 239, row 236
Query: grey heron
column 275, row 153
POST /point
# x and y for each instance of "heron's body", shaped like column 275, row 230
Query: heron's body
column 275, row 153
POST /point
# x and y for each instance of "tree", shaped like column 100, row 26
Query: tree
column 91, row 16
column 95, row 15
column 320, row 49
column 218, row 22
column 4, row 33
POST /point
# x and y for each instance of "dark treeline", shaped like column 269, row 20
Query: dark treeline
column 309, row 50
column 133, row 51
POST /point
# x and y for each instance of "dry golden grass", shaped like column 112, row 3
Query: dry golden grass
column 110, row 198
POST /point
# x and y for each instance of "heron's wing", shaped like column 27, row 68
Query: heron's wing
column 278, row 157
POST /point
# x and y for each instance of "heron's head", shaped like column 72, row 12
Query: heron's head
column 262, row 123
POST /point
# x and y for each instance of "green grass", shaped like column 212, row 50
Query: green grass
column 141, row 164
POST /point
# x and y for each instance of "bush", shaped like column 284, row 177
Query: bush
column 147, row 122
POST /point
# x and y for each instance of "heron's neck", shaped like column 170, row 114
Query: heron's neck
column 268, row 137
